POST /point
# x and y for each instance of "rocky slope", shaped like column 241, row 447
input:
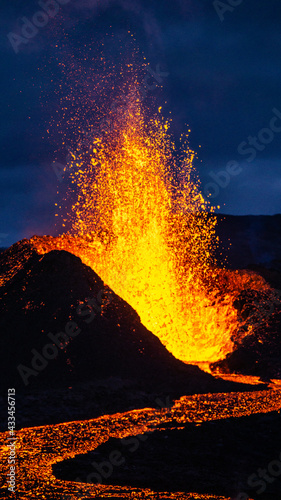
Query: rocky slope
column 62, row 328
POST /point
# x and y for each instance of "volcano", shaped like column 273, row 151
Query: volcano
column 63, row 329
column 134, row 289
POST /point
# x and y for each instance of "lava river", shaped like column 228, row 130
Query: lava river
column 38, row 448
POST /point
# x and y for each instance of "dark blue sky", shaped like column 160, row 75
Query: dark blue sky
column 224, row 82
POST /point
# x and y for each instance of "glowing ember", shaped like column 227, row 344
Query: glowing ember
column 150, row 238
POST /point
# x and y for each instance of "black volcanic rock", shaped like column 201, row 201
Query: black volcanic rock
column 258, row 353
column 44, row 296
column 254, row 242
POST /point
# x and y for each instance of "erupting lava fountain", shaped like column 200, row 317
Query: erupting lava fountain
column 151, row 239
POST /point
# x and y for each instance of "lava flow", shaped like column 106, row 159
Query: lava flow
column 140, row 222
column 38, row 448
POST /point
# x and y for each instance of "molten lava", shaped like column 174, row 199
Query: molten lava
column 150, row 237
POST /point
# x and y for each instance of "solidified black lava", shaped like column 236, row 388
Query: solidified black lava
column 259, row 353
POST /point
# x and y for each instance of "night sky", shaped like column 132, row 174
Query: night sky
column 218, row 73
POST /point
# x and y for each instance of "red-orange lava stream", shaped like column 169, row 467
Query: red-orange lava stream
column 37, row 448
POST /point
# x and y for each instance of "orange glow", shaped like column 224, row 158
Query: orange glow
column 151, row 239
